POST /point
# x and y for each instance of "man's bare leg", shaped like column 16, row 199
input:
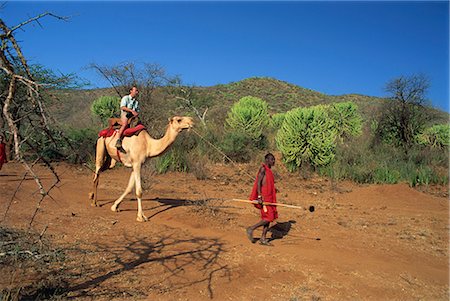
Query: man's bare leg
column 124, row 120
column 263, row 239
column 250, row 229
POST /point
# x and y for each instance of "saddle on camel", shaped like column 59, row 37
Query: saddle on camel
column 134, row 127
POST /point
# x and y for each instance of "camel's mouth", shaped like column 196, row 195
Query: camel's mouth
column 189, row 125
column 182, row 123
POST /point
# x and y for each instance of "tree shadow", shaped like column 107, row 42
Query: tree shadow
column 165, row 204
column 169, row 258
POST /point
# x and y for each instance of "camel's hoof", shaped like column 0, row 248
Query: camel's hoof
column 114, row 208
column 142, row 218
column 94, row 204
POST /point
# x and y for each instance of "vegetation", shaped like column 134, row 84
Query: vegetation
column 234, row 120
column 307, row 135
column 375, row 157
column 403, row 141
column 310, row 129
column 436, row 136
column 347, row 121
column 249, row 116
column 106, row 107
column 32, row 254
column 276, row 120
column 403, row 116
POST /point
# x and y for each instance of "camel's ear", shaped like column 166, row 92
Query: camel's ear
column 170, row 119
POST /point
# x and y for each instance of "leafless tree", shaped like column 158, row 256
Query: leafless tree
column 124, row 75
column 23, row 107
column 404, row 115
column 148, row 77
column 187, row 95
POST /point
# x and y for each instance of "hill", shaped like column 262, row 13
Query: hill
column 73, row 106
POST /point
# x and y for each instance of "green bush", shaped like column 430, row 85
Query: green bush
column 106, row 107
column 384, row 174
column 346, row 118
column 362, row 162
column 435, row 136
column 237, row 146
column 249, row 116
column 277, row 120
column 83, row 141
column 172, row 160
column 176, row 157
column 307, row 135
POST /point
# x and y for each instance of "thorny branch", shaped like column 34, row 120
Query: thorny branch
column 186, row 97
column 18, row 76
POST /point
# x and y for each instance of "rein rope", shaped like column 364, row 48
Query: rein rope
column 223, row 154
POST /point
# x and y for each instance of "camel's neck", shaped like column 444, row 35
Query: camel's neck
column 156, row 147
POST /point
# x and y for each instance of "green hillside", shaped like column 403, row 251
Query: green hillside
column 73, row 106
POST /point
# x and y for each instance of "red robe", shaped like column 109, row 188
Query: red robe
column 2, row 154
column 268, row 194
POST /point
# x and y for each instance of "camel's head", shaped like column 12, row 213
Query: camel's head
column 181, row 123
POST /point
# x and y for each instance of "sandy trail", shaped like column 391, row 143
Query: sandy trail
column 363, row 242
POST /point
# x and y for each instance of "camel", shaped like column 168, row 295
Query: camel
column 137, row 149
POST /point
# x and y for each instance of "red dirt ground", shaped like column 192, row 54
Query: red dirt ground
column 363, row 242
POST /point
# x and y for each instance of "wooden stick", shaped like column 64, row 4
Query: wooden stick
column 268, row 204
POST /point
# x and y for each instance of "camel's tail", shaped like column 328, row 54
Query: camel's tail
column 106, row 163
column 102, row 162
column 102, row 158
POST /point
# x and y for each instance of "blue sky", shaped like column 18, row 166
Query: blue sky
column 332, row 47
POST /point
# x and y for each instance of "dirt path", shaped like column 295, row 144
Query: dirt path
column 371, row 242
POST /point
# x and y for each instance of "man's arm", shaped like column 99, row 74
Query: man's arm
column 129, row 110
column 124, row 105
column 261, row 176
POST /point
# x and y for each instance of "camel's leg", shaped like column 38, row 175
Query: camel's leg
column 100, row 154
column 113, row 163
column 131, row 182
column 137, row 174
column 93, row 194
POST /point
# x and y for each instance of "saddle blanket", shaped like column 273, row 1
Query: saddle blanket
column 127, row 133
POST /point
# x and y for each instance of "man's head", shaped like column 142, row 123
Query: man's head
column 134, row 91
column 270, row 159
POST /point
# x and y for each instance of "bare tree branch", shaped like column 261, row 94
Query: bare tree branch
column 35, row 19
column 19, row 79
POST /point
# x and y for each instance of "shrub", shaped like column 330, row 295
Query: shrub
column 435, row 136
column 176, row 158
column 83, row 142
column 307, row 135
column 362, row 162
column 237, row 146
column 249, row 116
column 385, row 174
column 277, row 120
column 106, row 107
column 346, row 119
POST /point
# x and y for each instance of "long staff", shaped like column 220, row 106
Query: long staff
column 311, row 208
